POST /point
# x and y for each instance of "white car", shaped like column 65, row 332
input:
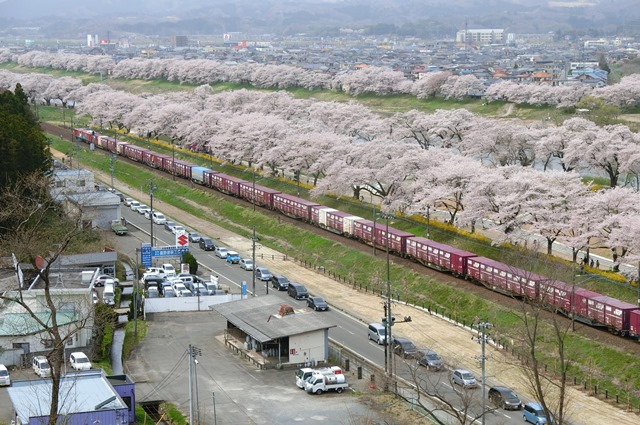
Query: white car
column 169, row 270
column 143, row 209
column 134, row 205
column 178, row 229
column 221, row 252
column 5, row 379
column 179, row 287
column 246, row 264
column 79, row 361
column 127, row 201
column 158, row 217
column 147, row 214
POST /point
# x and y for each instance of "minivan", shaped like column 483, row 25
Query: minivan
column 41, row 366
column 297, row 291
column 378, row 333
column 534, row 413
column 5, row 379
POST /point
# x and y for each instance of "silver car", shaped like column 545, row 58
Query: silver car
column 464, row 378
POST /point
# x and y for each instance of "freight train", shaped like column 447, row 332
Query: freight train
column 586, row 306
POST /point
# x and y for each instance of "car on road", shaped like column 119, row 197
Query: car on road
column 221, row 252
column 168, row 225
column 246, row 264
column 79, row 361
column 404, row 347
column 317, row 303
column 504, row 398
column 281, row 283
column 143, row 209
column 534, row 413
column 464, row 378
column 194, row 237
column 429, row 359
column 178, row 229
column 148, row 214
column 207, row 244
column 263, row 274
column 158, row 217
column 128, row 201
column 134, row 205
column 233, row 257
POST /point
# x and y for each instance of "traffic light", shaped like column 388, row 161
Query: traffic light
column 393, row 320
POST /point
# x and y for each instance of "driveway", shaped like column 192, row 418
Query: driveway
column 243, row 394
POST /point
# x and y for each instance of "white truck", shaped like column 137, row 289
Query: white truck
column 319, row 383
column 305, row 372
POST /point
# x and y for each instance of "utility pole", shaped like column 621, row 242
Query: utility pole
column 112, row 161
column 152, row 187
column 192, row 352
column 135, row 298
column 253, row 257
column 428, row 221
column 482, row 340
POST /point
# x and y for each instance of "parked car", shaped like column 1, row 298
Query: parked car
column 194, row 237
column 184, row 293
column 158, row 217
column 169, row 292
column 505, row 398
column 263, row 274
column 168, row 225
column 404, row 347
column 317, row 303
column 429, row 359
column 153, row 292
column 281, row 283
column 103, row 278
column 464, row 378
column 169, row 270
column 79, row 361
column 207, row 244
column 221, row 252
column 41, row 367
column 5, row 378
column 246, row 264
column 178, row 229
column 233, row 257
column 534, row 413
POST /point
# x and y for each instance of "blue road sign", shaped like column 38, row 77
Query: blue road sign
column 145, row 255
column 244, row 289
column 169, row 251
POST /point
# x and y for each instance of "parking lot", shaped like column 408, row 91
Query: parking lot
column 243, row 394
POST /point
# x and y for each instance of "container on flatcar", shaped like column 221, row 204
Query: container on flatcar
column 134, row 152
column 255, row 193
column 319, row 215
column 581, row 297
column 438, row 255
column 610, row 312
column 293, row 206
column 634, row 323
column 225, row 183
column 198, row 173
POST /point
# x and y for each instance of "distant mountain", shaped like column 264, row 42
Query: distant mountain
column 417, row 17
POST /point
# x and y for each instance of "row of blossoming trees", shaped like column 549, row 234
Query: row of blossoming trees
column 524, row 177
column 381, row 81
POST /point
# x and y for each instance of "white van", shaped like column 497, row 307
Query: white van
column 109, row 294
column 378, row 333
column 79, row 361
column 41, row 366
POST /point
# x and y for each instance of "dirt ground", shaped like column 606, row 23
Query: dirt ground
column 455, row 343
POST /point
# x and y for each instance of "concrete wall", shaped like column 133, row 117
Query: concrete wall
column 163, row 305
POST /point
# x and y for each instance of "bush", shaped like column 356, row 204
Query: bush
column 192, row 262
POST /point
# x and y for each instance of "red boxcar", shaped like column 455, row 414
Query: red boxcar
column 319, row 215
column 503, row 278
column 107, row 143
column 262, row 196
column 581, row 297
column 224, row 183
column 557, row 294
column 341, row 222
column 438, row 255
column 634, row 323
column 134, row 152
column 157, row 160
column 177, row 166
column 610, row 312
column 371, row 232
column 207, row 177
column 85, row 135
column 293, row 206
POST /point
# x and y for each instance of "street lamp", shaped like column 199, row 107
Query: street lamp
column 253, row 257
column 428, row 223
column 112, row 161
column 388, row 319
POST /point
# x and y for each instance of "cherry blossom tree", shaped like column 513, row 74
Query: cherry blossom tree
column 372, row 79
column 459, row 87
column 60, row 88
column 430, row 84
